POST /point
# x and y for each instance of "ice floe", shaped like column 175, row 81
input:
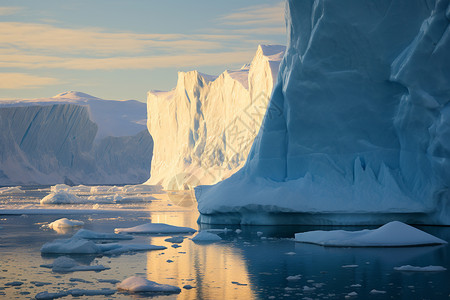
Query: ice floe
column 11, row 190
column 205, row 236
column 155, row 228
column 138, row 285
column 392, row 234
column 92, row 235
column 65, row 264
column 76, row 245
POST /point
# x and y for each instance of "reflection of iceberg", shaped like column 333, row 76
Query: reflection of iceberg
column 357, row 130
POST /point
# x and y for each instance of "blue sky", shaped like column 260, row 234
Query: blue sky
column 121, row 49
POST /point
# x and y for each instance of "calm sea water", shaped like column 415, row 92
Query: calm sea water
column 254, row 264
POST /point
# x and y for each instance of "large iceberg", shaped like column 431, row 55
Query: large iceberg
column 73, row 138
column 203, row 129
column 358, row 127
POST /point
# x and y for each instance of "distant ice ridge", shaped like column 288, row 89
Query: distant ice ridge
column 74, row 138
column 358, row 127
column 203, row 129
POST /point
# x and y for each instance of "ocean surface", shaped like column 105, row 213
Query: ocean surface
column 254, row 262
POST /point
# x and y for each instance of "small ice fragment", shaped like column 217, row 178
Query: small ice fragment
column 294, row 277
column 139, row 284
column 259, row 233
column 204, row 236
column 46, row 295
column 238, row 283
column 155, row 228
column 175, row 246
column 188, row 287
column 64, row 222
column 308, row 289
column 175, row 239
column 352, row 294
column 290, row 253
column 14, row 283
column 355, row 285
column 374, row 291
column 169, row 261
column 409, row 268
column 238, row 231
column 349, row 266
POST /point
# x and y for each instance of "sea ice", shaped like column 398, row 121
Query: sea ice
column 409, row 268
column 155, row 228
column 175, row 239
column 205, row 236
column 392, row 234
column 92, row 235
column 138, row 285
column 76, row 245
column 65, row 264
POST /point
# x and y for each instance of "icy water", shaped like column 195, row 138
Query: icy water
column 252, row 264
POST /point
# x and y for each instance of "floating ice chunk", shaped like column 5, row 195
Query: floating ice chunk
column 138, row 284
column 155, row 228
column 64, row 223
column 393, row 234
column 11, row 190
column 188, row 287
column 349, row 266
column 76, row 245
column 60, row 197
column 92, row 235
column 238, row 231
column 175, row 239
column 410, row 268
column 374, row 291
column 65, row 264
column 294, row 277
column 259, row 233
column 204, row 236
column 14, row 283
column 74, row 293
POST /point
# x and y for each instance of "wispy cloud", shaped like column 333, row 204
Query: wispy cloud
column 95, row 41
column 9, row 10
column 11, row 60
column 256, row 16
column 24, row 81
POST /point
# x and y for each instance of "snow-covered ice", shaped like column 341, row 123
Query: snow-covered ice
column 357, row 129
column 61, row 197
column 155, row 228
column 141, row 285
column 205, row 236
column 74, row 138
column 65, row 264
column 392, row 234
column 409, row 268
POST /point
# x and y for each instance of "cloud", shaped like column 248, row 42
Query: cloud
column 24, row 81
column 256, row 16
column 95, row 41
column 9, row 10
column 11, row 60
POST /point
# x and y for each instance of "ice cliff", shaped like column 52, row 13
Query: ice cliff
column 73, row 137
column 203, row 129
column 358, row 127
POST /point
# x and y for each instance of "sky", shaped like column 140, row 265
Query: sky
column 115, row 49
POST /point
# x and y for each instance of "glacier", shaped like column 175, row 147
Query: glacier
column 357, row 131
column 73, row 138
column 204, row 127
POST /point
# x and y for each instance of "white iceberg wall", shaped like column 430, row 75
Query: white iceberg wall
column 357, row 128
column 193, row 125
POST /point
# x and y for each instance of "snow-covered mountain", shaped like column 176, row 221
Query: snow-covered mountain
column 203, row 129
column 362, row 133
column 73, row 137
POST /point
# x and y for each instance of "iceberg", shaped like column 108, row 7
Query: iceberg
column 357, row 130
column 73, row 138
column 204, row 127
